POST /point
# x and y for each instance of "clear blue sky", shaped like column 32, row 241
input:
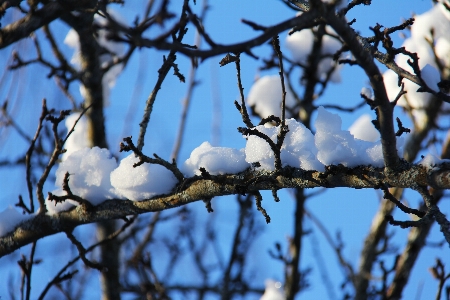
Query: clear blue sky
column 349, row 211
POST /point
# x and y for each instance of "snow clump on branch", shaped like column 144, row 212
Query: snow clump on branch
column 215, row 160
column 298, row 149
column 10, row 218
column 142, row 182
column 78, row 138
column 95, row 175
column 89, row 170
column 436, row 20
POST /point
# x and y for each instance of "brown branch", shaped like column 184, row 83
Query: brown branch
column 145, row 159
column 276, row 47
column 192, row 82
column 82, row 252
column 30, row 150
column 416, row 241
column 32, row 21
column 258, row 199
column 60, row 276
column 197, row 189
column 306, row 20
column 53, row 159
column 241, row 107
column 379, row 225
column 384, row 107
column 162, row 72
column 438, row 272
column 434, row 210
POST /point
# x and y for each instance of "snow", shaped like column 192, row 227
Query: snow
column 337, row 146
column 436, row 20
column 298, row 149
column 142, row 182
column 115, row 50
column 96, row 177
column 300, row 45
column 329, row 146
column 89, row 170
column 78, row 139
column 55, row 208
column 363, row 129
column 265, row 95
column 431, row 77
column 430, row 161
column 442, row 49
column 216, row 160
column 10, row 218
column 368, row 92
column 443, row 9
column 273, row 291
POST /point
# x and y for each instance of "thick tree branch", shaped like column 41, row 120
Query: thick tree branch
column 384, row 107
column 197, row 188
column 380, row 225
column 38, row 18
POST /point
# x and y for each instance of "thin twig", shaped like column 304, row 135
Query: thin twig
column 30, row 150
column 162, row 72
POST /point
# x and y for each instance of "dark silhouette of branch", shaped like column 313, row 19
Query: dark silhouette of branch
column 384, row 107
column 306, row 20
column 35, row 19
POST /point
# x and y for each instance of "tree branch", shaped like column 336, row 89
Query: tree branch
column 384, row 107
column 197, row 188
column 36, row 19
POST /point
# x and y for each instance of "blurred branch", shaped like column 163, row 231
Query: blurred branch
column 336, row 246
column 36, row 19
column 438, row 272
column 61, row 275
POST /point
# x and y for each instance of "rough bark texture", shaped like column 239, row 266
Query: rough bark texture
column 196, row 189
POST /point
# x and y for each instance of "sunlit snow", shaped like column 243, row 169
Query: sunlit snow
column 435, row 20
column 430, row 161
column 114, row 49
column 265, row 96
column 142, row 182
column 273, row 291
column 337, row 146
column 298, row 149
column 363, row 129
column 10, row 218
column 89, row 170
column 215, row 160
column 78, row 138
column 95, row 176
column 300, row 45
